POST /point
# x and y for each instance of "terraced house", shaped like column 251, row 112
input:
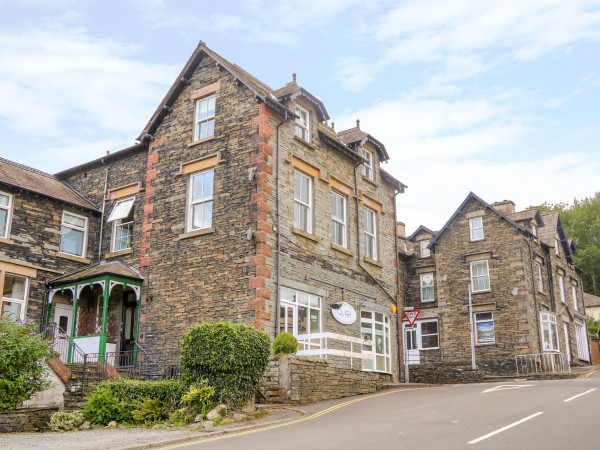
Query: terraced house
column 240, row 202
column 526, row 294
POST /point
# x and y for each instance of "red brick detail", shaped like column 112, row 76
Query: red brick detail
column 148, row 205
column 264, row 168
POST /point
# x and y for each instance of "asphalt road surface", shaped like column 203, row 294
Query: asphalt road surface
column 557, row 414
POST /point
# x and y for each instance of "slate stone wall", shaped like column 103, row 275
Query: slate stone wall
column 21, row 420
column 444, row 373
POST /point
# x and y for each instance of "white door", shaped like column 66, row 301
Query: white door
column 63, row 317
column 582, row 347
column 411, row 346
column 567, row 342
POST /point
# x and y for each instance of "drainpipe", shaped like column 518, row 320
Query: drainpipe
column 278, row 231
column 399, row 323
column 103, row 210
column 537, row 312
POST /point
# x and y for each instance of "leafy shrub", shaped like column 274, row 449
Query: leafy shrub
column 199, row 399
column 169, row 392
column 149, row 411
column 285, row 343
column 22, row 368
column 181, row 416
column 66, row 420
column 231, row 357
column 103, row 407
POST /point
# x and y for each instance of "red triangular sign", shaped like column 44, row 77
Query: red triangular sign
column 412, row 315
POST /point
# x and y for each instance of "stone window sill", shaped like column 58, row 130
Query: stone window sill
column 372, row 261
column 73, row 257
column 341, row 249
column 305, row 143
column 486, row 344
column 195, row 233
column 6, row 241
column 477, row 240
column 368, row 180
column 486, row 291
column 127, row 251
column 201, row 141
column 306, row 235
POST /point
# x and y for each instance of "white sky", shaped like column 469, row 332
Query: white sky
column 498, row 98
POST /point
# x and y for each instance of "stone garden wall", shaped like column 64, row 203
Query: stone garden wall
column 25, row 419
column 445, row 373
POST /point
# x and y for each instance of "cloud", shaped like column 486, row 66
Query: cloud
column 354, row 74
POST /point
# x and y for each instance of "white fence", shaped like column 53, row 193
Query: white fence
column 542, row 363
column 317, row 344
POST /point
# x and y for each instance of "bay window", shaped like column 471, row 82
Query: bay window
column 375, row 327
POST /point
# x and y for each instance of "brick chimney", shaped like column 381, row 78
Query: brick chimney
column 505, row 206
column 401, row 229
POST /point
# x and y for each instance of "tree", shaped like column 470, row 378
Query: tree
column 581, row 221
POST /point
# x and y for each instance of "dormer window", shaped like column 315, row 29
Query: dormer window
column 476, row 228
column 368, row 164
column 302, row 123
column 534, row 231
column 425, row 252
column 204, row 126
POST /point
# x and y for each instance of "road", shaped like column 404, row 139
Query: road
column 556, row 414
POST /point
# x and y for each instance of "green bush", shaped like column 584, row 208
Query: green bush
column 22, row 368
column 103, row 407
column 66, row 421
column 231, row 357
column 284, row 344
column 168, row 392
column 199, row 399
column 149, row 411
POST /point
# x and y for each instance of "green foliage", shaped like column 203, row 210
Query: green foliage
column 232, row 357
column 200, row 398
column 149, row 411
column 181, row 416
column 65, row 421
column 103, row 407
column 593, row 327
column 285, row 343
column 22, row 368
column 169, row 392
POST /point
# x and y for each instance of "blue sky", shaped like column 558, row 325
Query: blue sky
column 498, row 98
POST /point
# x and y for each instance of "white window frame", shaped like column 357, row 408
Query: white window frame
column 477, row 320
column 120, row 224
column 557, row 247
column 539, row 278
column 370, row 251
column 338, row 220
column 302, row 128
column 387, row 342
column 534, row 231
column 422, row 287
column 424, row 251
column 367, row 170
column 549, row 322
column 198, row 121
column 574, row 293
column 22, row 302
column 581, row 335
column 476, row 225
column 299, row 204
column 74, row 227
column 487, row 275
column 419, row 338
column 5, row 233
column 204, row 201
column 294, row 305
column 561, row 285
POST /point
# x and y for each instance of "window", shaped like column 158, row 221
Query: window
column 368, row 164
column 425, row 252
column 427, row 292
column 122, row 218
column 549, row 332
column 480, row 276
column 484, row 328
column 538, row 277
column 73, row 234
column 375, row 327
column 204, row 126
column 370, row 224
column 476, row 228
column 300, row 314
column 426, row 335
column 5, row 208
column 561, row 285
column 14, row 296
column 557, row 247
column 338, row 219
column 574, row 291
column 302, row 202
column 582, row 339
column 200, row 200
column 534, row 230
column 302, row 123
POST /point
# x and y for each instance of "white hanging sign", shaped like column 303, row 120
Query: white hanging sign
column 345, row 314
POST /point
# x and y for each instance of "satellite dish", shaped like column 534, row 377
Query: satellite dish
column 515, row 291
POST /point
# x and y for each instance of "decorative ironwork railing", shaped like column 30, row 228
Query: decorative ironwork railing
column 542, row 363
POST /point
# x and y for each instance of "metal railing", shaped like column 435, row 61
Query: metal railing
column 317, row 344
column 542, row 363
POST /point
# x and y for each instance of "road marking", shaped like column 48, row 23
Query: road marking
column 505, row 387
column 579, row 395
column 500, row 430
column 291, row 422
column 587, row 374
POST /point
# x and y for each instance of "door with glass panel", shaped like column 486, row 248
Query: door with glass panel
column 63, row 317
column 411, row 347
column 375, row 327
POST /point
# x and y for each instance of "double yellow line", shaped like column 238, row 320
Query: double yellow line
column 291, row 422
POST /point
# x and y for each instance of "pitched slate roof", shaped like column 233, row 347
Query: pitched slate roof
column 590, row 300
column 419, row 229
column 548, row 232
column 527, row 214
column 115, row 267
column 33, row 180
column 405, row 246
column 291, row 90
column 355, row 136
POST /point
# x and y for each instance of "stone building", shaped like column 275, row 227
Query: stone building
column 239, row 203
column 527, row 296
